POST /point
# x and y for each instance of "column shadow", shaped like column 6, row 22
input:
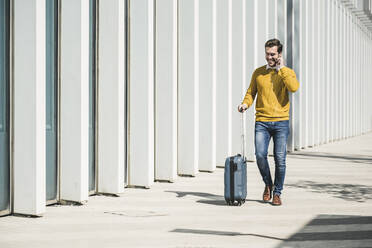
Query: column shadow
column 348, row 192
column 208, row 198
column 220, row 233
column 333, row 231
column 358, row 159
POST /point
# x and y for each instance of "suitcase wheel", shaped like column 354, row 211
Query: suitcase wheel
column 235, row 203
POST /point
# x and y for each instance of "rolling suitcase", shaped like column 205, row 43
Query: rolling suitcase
column 236, row 176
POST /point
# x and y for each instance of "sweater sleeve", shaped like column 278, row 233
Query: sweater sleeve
column 251, row 92
column 289, row 79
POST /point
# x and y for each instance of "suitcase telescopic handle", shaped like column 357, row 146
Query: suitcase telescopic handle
column 243, row 136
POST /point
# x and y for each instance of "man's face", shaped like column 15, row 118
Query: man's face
column 272, row 55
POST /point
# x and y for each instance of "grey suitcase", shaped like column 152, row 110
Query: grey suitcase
column 235, row 180
column 235, row 177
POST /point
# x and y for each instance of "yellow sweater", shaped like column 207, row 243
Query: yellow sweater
column 272, row 89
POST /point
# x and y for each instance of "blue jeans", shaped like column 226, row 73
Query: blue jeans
column 279, row 130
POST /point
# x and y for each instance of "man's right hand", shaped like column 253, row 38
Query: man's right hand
column 242, row 107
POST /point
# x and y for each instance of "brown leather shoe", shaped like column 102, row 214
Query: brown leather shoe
column 277, row 201
column 266, row 197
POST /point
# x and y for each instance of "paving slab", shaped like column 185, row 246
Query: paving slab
column 327, row 202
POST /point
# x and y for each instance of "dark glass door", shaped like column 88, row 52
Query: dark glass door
column 4, row 108
column 126, row 92
column 51, row 99
column 92, row 94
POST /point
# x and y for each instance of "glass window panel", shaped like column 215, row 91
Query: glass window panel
column 51, row 98
column 92, row 82
column 4, row 107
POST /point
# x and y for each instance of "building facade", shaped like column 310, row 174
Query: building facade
column 99, row 95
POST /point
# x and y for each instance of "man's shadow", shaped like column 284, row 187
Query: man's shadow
column 207, row 198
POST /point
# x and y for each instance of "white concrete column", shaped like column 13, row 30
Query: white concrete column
column 328, row 67
column 223, row 83
column 296, row 103
column 369, row 86
column 250, row 27
column 346, row 71
column 29, row 107
column 306, row 75
column 359, row 78
column 333, row 73
column 207, row 87
column 290, row 46
column 166, row 90
column 323, row 65
column 311, row 73
column 74, row 100
column 337, row 85
column 342, row 72
column 141, row 93
column 188, row 87
column 356, row 74
column 316, row 77
column 350, row 76
column 303, row 75
column 355, row 109
column 238, row 86
column 282, row 36
column 348, row 81
column 348, row 84
column 111, row 98
column 322, row 81
column 271, row 17
column 262, row 27
column 282, row 26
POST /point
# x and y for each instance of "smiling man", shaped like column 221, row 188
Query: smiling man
column 271, row 84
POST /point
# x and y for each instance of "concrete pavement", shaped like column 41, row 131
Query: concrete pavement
column 327, row 202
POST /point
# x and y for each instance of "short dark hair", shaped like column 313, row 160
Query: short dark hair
column 274, row 42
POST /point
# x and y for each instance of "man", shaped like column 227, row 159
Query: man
column 271, row 84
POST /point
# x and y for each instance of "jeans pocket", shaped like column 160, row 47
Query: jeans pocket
column 283, row 123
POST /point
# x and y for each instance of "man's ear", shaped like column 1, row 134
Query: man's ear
column 280, row 55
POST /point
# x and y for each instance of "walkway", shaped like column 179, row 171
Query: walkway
column 327, row 203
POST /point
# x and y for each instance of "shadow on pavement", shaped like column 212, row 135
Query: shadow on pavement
column 199, row 194
column 329, row 231
column 220, row 233
column 333, row 231
column 360, row 159
column 208, row 198
column 349, row 192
